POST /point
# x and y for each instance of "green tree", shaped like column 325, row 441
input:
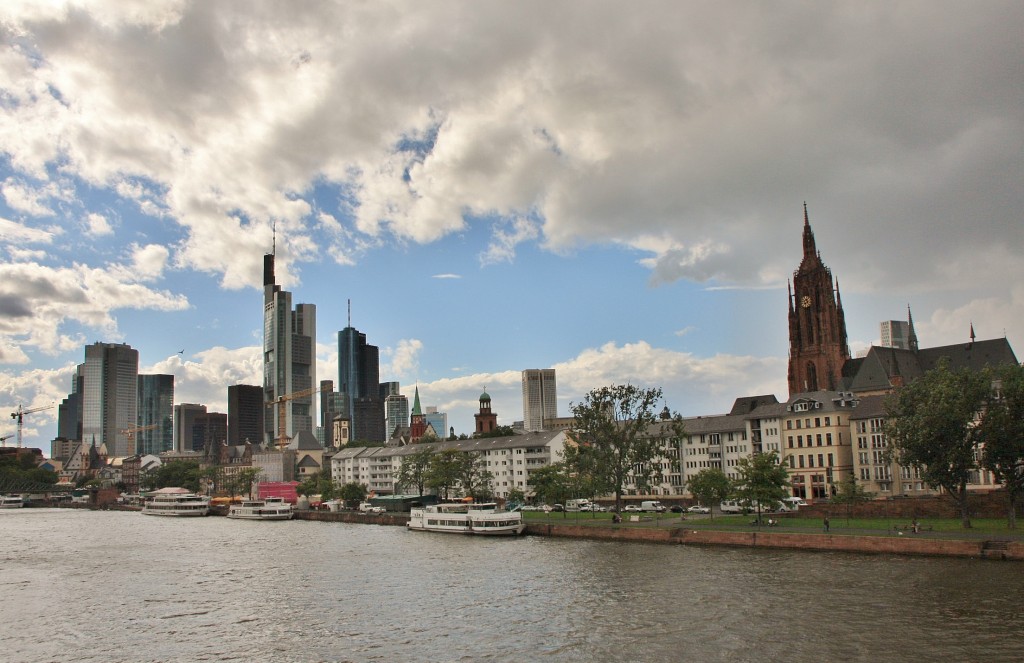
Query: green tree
column 515, row 496
column 175, row 473
column 240, row 482
column 617, row 437
column 414, row 469
column 319, row 483
column 500, row 431
column 762, row 481
column 443, row 473
column 710, row 486
column 352, row 493
column 1001, row 431
column 851, row 493
column 930, row 426
column 551, row 484
column 474, row 477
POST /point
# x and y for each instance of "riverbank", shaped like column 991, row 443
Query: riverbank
column 910, row 544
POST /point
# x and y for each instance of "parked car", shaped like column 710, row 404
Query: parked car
column 631, row 507
column 557, row 507
column 675, row 508
column 696, row 508
column 530, row 507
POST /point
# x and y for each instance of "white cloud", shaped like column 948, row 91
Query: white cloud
column 404, row 360
column 14, row 232
column 26, row 199
column 206, row 375
column 98, row 225
column 447, row 276
column 149, row 261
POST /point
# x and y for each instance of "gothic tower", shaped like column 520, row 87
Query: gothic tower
column 817, row 327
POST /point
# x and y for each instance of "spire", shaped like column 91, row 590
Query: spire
column 972, row 331
column 809, row 247
column 839, row 297
column 416, row 411
column 911, row 334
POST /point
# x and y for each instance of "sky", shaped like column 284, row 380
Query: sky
column 613, row 190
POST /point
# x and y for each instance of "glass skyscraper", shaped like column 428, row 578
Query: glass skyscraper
column 156, row 414
column 110, row 395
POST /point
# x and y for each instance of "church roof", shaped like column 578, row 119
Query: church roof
column 416, row 403
column 747, row 404
column 305, row 441
column 875, row 371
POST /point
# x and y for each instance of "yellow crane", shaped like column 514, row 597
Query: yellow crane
column 20, row 413
column 130, row 434
column 282, row 440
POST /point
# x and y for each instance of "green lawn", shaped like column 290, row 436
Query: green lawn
column 838, row 524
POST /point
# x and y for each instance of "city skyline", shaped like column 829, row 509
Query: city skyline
column 620, row 200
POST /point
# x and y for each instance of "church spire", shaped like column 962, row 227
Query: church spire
column 911, row 334
column 416, row 402
column 809, row 248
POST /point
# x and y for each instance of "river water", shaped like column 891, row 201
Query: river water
column 87, row 586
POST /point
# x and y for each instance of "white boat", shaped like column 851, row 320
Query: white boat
column 176, row 504
column 11, row 502
column 271, row 508
column 461, row 518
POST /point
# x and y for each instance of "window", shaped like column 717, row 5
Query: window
column 817, row 422
column 819, row 439
column 827, row 422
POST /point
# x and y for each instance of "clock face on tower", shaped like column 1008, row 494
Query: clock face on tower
column 805, row 302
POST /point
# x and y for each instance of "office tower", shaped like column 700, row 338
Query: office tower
column 332, row 405
column 895, row 334
column 209, row 433
column 540, row 401
column 110, row 396
column 359, row 384
column 69, row 412
column 289, row 360
column 396, row 411
column 245, row 414
column 436, row 420
column 817, row 326
column 184, row 417
column 156, row 414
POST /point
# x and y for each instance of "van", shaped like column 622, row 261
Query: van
column 577, row 505
column 652, row 505
column 793, row 503
column 733, row 506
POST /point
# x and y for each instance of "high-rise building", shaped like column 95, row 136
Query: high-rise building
column 289, row 360
column 540, row 400
column 895, row 334
column 69, row 412
column 209, row 432
column 817, row 326
column 184, row 419
column 359, row 384
column 436, row 420
column 245, row 414
column 156, row 414
column 396, row 412
column 110, row 396
column 332, row 406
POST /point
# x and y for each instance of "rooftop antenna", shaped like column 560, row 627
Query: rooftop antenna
column 349, row 312
column 273, row 246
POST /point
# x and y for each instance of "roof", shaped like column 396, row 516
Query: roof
column 538, row 439
column 305, row 441
column 869, row 407
column 876, row 370
column 747, row 404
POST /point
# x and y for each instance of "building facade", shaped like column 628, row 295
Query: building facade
column 156, row 415
column 184, row 418
column 540, row 400
column 289, row 361
column 245, row 414
column 110, row 396
column 359, row 384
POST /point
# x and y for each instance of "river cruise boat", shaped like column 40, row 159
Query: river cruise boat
column 11, row 502
column 271, row 508
column 176, row 504
column 461, row 518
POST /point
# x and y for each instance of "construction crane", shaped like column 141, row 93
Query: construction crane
column 282, row 440
column 130, row 434
column 20, row 413
column 4, row 438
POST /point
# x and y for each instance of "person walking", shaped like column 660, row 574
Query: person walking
column 826, row 523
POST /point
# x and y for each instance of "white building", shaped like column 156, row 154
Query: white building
column 540, row 399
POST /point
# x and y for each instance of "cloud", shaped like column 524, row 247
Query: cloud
column 404, row 359
column 23, row 198
column 13, row 232
column 446, row 276
column 205, row 377
column 98, row 225
column 503, row 244
column 149, row 261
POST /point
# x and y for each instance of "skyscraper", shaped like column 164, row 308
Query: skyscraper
column 396, row 412
column 184, row 420
column 289, row 359
column 110, row 395
column 245, row 414
column 817, row 326
column 540, row 400
column 156, row 414
column 359, row 384
column 895, row 334
column 436, row 420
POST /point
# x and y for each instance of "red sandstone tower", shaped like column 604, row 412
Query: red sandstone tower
column 817, row 327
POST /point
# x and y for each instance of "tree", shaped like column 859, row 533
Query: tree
column 515, row 496
column 352, row 492
column 414, row 469
column 474, row 477
column 1001, row 431
column 710, row 486
column 175, row 473
column 319, row 483
column 617, row 437
column 762, row 481
column 443, row 472
column 551, row 483
column 851, row 493
column 930, row 426
column 500, row 431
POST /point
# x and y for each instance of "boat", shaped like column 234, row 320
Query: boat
column 11, row 502
column 462, row 518
column 161, row 503
column 271, row 508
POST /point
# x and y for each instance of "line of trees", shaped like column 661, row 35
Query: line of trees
column 445, row 472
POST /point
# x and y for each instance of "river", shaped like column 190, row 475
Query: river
column 97, row 586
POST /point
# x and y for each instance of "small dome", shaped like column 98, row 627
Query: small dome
column 485, row 396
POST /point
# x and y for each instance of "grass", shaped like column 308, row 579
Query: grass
column 839, row 524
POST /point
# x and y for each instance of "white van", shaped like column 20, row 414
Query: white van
column 793, row 503
column 652, row 505
column 734, row 506
column 577, row 505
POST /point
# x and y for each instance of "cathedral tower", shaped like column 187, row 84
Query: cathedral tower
column 817, row 327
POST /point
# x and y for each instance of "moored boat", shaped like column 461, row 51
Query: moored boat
column 461, row 518
column 174, row 502
column 271, row 508
column 11, row 502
